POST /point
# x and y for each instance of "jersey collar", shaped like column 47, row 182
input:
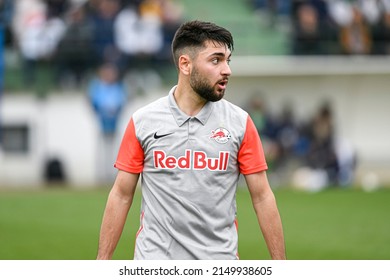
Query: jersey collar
column 181, row 117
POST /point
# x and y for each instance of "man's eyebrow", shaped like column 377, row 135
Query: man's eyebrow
column 222, row 54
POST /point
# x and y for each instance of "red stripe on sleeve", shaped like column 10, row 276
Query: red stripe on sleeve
column 251, row 157
column 131, row 155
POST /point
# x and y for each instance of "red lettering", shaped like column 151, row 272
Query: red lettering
column 220, row 160
column 184, row 162
column 158, row 159
column 212, row 163
column 197, row 160
column 226, row 159
column 170, row 162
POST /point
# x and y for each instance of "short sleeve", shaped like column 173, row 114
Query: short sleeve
column 251, row 158
column 131, row 155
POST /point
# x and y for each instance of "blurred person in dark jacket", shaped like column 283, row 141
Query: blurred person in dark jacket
column 381, row 35
column 103, row 15
column 73, row 53
column 322, row 151
column 307, row 32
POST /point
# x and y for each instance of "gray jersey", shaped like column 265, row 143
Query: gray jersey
column 190, row 168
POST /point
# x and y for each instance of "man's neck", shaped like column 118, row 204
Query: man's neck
column 188, row 101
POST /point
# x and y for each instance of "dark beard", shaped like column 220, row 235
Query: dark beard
column 203, row 89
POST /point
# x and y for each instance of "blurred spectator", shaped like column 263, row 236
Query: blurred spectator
column 308, row 155
column 319, row 166
column 355, row 37
column 138, row 33
column 322, row 152
column 328, row 159
column 90, row 6
column 260, row 116
column 340, row 11
column 288, row 133
column 258, row 112
column 73, row 54
column 338, row 26
column 103, row 14
column 267, row 127
column 370, row 10
column 381, row 35
column 172, row 17
column 144, row 31
column 307, row 32
column 384, row 5
column 37, row 35
column 6, row 13
column 275, row 10
column 314, row 31
column 321, row 7
column 57, row 8
column 107, row 95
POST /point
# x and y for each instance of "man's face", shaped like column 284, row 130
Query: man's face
column 210, row 72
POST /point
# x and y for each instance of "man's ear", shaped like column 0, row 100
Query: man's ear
column 185, row 64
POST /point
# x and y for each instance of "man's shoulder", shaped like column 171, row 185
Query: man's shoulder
column 155, row 107
column 230, row 108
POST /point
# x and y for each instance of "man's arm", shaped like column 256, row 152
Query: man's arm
column 267, row 213
column 114, row 218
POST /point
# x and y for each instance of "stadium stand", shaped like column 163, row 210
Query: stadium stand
column 251, row 33
column 252, row 36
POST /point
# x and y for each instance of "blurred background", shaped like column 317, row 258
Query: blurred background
column 314, row 76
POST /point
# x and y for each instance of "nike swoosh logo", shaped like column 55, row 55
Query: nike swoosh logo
column 161, row 135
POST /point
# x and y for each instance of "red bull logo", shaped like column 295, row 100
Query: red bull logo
column 195, row 160
column 220, row 135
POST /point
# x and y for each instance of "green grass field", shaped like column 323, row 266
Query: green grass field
column 64, row 225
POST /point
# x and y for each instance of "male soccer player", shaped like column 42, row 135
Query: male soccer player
column 190, row 148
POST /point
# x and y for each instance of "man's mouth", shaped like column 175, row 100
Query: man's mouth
column 222, row 84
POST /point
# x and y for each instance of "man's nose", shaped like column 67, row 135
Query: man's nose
column 226, row 71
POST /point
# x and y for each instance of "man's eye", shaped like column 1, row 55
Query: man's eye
column 228, row 61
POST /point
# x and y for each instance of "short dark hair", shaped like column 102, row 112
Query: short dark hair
column 196, row 33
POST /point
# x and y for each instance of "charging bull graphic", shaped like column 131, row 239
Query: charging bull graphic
column 220, row 135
